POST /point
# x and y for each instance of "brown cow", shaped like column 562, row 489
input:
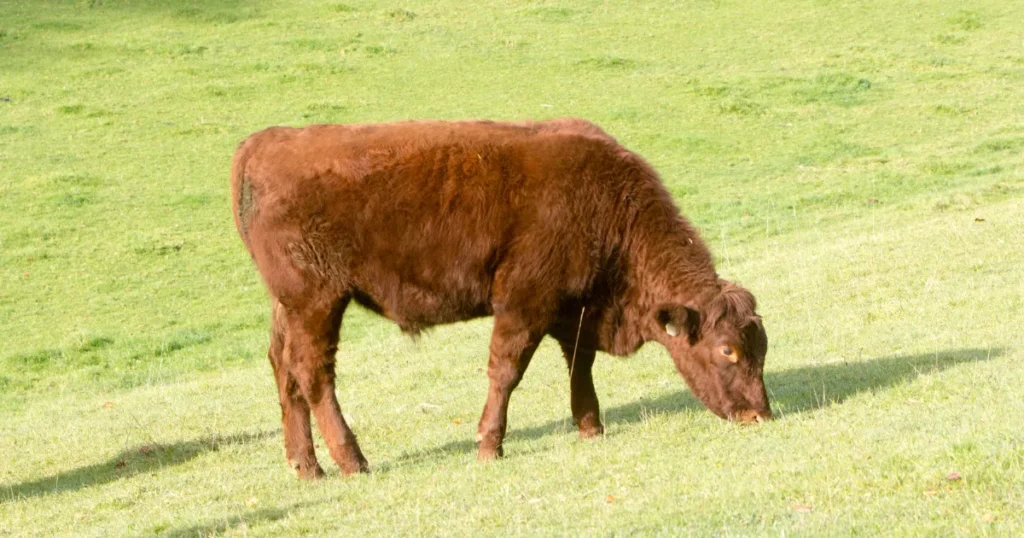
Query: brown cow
column 551, row 227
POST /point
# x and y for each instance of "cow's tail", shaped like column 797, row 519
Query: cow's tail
column 243, row 202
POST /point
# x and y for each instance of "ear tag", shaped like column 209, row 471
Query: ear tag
column 671, row 329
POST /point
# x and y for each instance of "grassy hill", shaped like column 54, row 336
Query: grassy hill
column 858, row 165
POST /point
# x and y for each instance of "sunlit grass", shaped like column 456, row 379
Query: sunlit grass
column 857, row 165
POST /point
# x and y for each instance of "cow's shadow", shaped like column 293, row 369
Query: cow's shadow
column 130, row 462
column 799, row 390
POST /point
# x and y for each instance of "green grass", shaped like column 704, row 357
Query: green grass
column 858, row 165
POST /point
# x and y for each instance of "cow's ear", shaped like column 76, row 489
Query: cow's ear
column 679, row 320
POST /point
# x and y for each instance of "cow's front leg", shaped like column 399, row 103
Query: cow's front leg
column 586, row 412
column 512, row 347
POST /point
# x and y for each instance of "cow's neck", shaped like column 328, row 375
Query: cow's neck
column 673, row 264
column 666, row 263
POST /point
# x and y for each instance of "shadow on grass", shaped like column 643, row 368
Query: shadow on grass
column 136, row 460
column 793, row 391
column 223, row 525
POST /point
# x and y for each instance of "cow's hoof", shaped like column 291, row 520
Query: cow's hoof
column 308, row 472
column 489, row 454
column 592, row 432
column 352, row 467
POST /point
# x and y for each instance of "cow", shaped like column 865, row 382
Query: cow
column 551, row 227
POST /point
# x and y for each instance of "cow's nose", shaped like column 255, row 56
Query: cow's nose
column 750, row 416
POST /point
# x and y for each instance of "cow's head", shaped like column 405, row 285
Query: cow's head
column 719, row 350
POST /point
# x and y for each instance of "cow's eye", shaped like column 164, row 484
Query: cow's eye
column 729, row 353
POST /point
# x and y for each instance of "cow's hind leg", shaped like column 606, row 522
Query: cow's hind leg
column 298, row 439
column 586, row 411
column 512, row 345
column 310, row 345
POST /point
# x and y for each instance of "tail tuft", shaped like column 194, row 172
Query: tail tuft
column 243, row 200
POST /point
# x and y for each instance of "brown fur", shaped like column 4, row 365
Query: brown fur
column 428, row 223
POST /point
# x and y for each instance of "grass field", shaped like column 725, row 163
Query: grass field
column 858, row 165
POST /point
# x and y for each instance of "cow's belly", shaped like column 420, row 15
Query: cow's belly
column 415, row 305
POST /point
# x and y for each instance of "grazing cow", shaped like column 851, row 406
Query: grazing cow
column 551, row 227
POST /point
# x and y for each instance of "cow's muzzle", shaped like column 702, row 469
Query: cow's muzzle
column 752, row 416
